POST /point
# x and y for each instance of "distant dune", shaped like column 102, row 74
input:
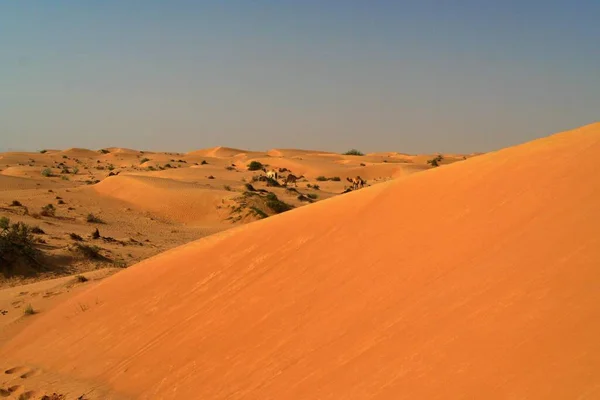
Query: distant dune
column 181, row 201
column 475, row 280
column 219, row 152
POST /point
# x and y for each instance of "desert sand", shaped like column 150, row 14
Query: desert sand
column 477, row 279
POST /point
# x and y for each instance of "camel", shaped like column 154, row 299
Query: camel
column 292, row 178
column 356, row 182
column 271, row 174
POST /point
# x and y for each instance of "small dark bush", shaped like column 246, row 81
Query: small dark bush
column 103, row 151
column 316, row 187
column 227, row 187
column 61, row 202
column 277, row 205
column 16, row 242
column 48, row 210
column 81, row 279
column 203, row 162
column 76, row 237
column 312, row 196
column 16, row 203
column 435, row 162
column 93, row 219
column 249, row 187
column 255, row 166
column 335, row 179
column 354, row 152
column 143, row 160
column 47, row 172
column 92, row 252
column 259, row 213
column 43, row 151
column 321, row 178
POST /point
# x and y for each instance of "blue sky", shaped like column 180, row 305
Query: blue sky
column 409, row 76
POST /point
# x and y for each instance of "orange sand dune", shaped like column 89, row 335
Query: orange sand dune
column 295, row 152
column 181, row 201
column 474, row 280
column 80, row 153
column 220, row 152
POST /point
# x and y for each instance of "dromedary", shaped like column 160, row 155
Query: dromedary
column 292, row 178
column 356, row 182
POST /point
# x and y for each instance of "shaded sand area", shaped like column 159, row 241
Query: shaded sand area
column 475, row 280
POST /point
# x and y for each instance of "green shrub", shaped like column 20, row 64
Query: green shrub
column 435, row 162
column 16, row 242
column 29, row 310
column 353, row 152
column 312, row 196
column 321, row 178
column 255, row 166
column 47, row 172
column 259, row 213
column 143, row 160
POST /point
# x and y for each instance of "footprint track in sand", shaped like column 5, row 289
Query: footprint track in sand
column 30, row 373
column 23, row 371
column 15, row 370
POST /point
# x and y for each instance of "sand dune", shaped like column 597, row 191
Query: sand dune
column 219, row 151
column 181, row 201
column 475, row 280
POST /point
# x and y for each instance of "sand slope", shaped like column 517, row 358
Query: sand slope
column 474, row 280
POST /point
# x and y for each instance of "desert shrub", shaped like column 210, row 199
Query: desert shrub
column 316, row 187
column 363, row 164
column 227, row 187
column 258, row 212
column 96, row 234
column 354, row 152
column 335, row 179
column 81, row 278
column 143, row 160
column 210, row 177
column 43, row 151
column 93, row 219
column 312, row 196
column 278, row 206
column 16, row 203
column 151, row 168
column 29, row 310
column 16, row 242
column 203, row 162
column 103, row 151
column 64, row 177
column 168, row 166
column 48, row 210
column 249, row 187
column 75, row 170
column 435, row 162
column 47, row 172
column 230, row 168
column 91, row 252
column 110, row 167
column 100, row 168
column 61, row 202
column 76, row 237
column 255, row 166
column 321, row 178
column 272, row 182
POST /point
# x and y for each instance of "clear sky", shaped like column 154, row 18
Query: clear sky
column 409, row 76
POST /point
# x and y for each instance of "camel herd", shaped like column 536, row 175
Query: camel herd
column 357, row 181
